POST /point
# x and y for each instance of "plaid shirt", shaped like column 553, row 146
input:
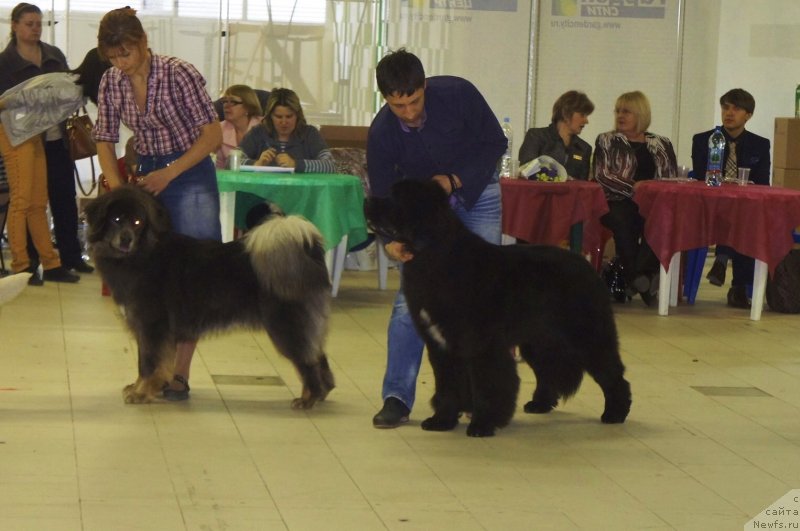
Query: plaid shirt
column 177, row 106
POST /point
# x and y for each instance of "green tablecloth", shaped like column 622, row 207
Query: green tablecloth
column 334, row 203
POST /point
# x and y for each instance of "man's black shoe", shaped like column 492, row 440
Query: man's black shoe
column 60, row 274
column 393, row 414
column 737, row 297
column 716, row 275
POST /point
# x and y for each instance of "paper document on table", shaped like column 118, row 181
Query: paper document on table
column 267, row 169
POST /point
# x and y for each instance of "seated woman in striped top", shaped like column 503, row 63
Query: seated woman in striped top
column 285, row 139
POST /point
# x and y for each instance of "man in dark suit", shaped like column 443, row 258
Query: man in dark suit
column 743, row 150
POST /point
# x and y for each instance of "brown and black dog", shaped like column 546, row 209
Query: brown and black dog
column 177, row 289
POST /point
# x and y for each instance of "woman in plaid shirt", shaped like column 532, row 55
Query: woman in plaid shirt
column 164, row 102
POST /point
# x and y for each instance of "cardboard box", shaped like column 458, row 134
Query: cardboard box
column 347, row 135
column 787, row 178
column 786, row 143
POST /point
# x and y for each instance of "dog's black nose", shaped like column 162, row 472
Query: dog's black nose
column 125, row 241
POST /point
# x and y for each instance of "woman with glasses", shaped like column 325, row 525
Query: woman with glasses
column 285, row 139
column 242, row 112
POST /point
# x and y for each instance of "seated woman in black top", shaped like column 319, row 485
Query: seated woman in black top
column 560, row 140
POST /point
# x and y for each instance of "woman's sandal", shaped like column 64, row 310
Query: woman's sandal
column 176, row 395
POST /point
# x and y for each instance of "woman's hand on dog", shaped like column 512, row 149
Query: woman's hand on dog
column 155, row 181
column 398, row 252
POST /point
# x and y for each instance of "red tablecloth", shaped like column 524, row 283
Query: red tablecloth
column 757, row 221
column 541, row 212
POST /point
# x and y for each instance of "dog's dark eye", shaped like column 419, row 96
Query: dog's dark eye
column 116, row 219
column 137, row 222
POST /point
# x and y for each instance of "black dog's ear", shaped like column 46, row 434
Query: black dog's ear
column 95, row 213
column 420, row 199
column 423, row 212
column 156, row 214
column 376, row 209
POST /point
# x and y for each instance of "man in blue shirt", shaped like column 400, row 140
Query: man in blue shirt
column 439, row 128
column 750, row 151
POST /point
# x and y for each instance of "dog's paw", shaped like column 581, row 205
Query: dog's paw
column 476, row 429
column 538, row 407
column 615, row 415
column 132, row 395
column 436, row 423
column 308, row 399
column 303, row 403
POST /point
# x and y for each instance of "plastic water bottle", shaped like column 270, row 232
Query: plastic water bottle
column 797, row 102
column 506, row 160
column 716, row 153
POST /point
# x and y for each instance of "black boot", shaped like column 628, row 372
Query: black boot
column 737, row 297
column 716, row 275
column 35, row 279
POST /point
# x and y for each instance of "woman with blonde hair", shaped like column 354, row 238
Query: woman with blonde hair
column 242, row 112
column 624, row 157
column 285, row 139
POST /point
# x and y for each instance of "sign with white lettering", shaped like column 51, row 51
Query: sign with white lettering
column 471, row 5
column 610, row 8
column 782, row 514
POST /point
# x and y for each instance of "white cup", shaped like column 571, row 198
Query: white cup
column 744, row 176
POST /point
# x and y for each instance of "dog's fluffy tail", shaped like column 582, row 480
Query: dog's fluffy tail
column 288, row 256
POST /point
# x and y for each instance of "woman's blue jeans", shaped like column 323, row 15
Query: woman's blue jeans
column 405, row 346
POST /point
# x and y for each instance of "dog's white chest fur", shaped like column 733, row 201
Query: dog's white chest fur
column 433, row 329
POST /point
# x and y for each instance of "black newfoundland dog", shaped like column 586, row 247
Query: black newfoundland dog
column 176, row 289
column 473, row 302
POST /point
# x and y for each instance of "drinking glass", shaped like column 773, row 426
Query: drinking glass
column 744, row 176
